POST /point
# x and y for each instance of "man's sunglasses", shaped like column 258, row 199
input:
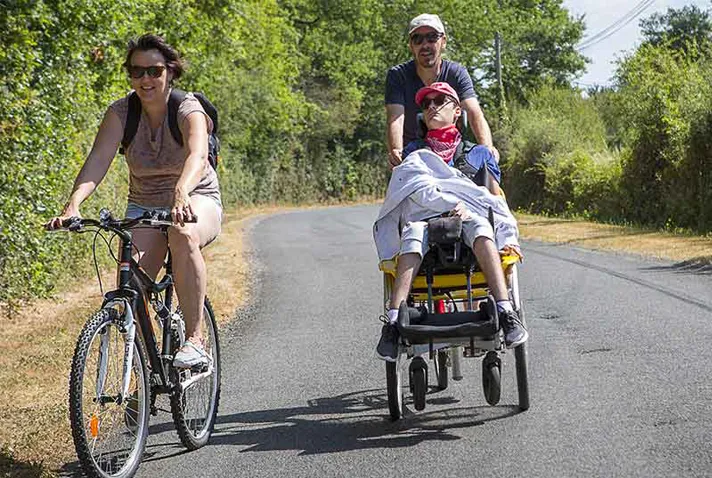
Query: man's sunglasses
column 431, row 37
column 137, row 72
column 438, row 101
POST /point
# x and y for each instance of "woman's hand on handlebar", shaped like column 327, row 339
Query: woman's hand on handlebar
column 182, row 212
column 60, row 221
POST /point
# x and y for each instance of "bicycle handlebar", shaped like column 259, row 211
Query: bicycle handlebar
column 157, row 219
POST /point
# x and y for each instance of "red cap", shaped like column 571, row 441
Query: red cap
column 438, row 87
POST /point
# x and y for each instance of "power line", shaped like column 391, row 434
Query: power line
column 615, row 26
column 625, row 17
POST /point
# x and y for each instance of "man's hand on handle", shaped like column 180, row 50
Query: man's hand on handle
column 494, row 152
column 395, row 157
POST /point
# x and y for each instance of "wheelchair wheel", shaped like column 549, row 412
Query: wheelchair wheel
column 520, row 353
column 492, row 377
column 520, row 357
column 419, row 381
column 394, row 389
column 441, row 368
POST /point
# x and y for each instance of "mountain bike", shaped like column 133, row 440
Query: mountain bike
column 124, row 359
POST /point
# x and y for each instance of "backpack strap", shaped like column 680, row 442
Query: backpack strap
column 210, row 110
column 461, row 152
column 174, row 100
column 133, row 116
column 459, row 159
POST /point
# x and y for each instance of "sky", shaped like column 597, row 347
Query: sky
column 600, row 14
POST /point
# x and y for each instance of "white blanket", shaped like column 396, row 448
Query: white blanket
column 442, row 187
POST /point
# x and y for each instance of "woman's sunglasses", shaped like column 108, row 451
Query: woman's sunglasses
column 137, row 72
column 438, row 101
column 431, row 37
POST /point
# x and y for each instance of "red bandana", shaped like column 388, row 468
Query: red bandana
column 444, row 141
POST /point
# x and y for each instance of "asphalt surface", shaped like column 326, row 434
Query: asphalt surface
column 619, row 365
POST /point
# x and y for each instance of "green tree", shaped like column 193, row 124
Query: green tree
column 687, row 28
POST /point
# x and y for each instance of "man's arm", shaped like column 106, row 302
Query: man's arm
column 478, row 124
column 395, row 118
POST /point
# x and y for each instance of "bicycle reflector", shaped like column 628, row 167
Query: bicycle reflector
column 94, row 426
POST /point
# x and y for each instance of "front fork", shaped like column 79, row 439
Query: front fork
column 128, row 327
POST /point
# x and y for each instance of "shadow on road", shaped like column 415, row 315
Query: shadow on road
column 700, row 266
column 352, row 421
column 346, row 422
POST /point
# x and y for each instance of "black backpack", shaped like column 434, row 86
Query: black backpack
column 477, row 176
column 174, row 100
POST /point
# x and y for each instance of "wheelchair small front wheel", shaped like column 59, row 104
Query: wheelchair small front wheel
column 492, row 377
column 441, row 368
column 419, row 381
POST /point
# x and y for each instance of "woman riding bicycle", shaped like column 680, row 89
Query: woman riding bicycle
column 164, row 175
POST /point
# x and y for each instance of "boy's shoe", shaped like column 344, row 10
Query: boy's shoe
column 190, row 355
column 387, row 348
column 514, row 332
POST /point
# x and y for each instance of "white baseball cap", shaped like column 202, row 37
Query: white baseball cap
column 426, row 20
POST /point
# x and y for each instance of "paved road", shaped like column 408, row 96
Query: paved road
column 619, row 371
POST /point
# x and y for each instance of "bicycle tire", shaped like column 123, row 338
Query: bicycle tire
column 195, row 432
column 124, row 461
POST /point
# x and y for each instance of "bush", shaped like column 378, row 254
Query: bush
column 666, row 98
column 556, row 150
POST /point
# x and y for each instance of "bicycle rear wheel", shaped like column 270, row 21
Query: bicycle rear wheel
column 194, row 401
column 109, row 430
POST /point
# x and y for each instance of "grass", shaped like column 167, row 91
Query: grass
column 38, row 341
column 628, row 240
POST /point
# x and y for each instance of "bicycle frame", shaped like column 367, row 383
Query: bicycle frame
column 132, row 298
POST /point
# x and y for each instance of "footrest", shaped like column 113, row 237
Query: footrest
column 417, row 325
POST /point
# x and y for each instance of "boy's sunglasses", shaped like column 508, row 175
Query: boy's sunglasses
column 137, row 72
column 438, row 101
column 431, row 37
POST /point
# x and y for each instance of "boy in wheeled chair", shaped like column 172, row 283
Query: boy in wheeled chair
column 426, row 185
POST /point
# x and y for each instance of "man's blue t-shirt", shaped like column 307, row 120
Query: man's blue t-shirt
column 403, row 82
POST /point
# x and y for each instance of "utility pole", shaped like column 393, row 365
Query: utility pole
column 498, row 68
column 501, row 102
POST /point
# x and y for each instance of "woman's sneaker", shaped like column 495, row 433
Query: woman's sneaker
column 514, row 332
column 190, row 355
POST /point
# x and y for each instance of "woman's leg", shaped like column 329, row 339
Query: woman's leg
column 152, row 246
column 189, row 271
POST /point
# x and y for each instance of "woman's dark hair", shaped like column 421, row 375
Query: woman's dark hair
column 149, row 41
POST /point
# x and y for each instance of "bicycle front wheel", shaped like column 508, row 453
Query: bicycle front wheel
column 194, row 401
column 109, row 429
